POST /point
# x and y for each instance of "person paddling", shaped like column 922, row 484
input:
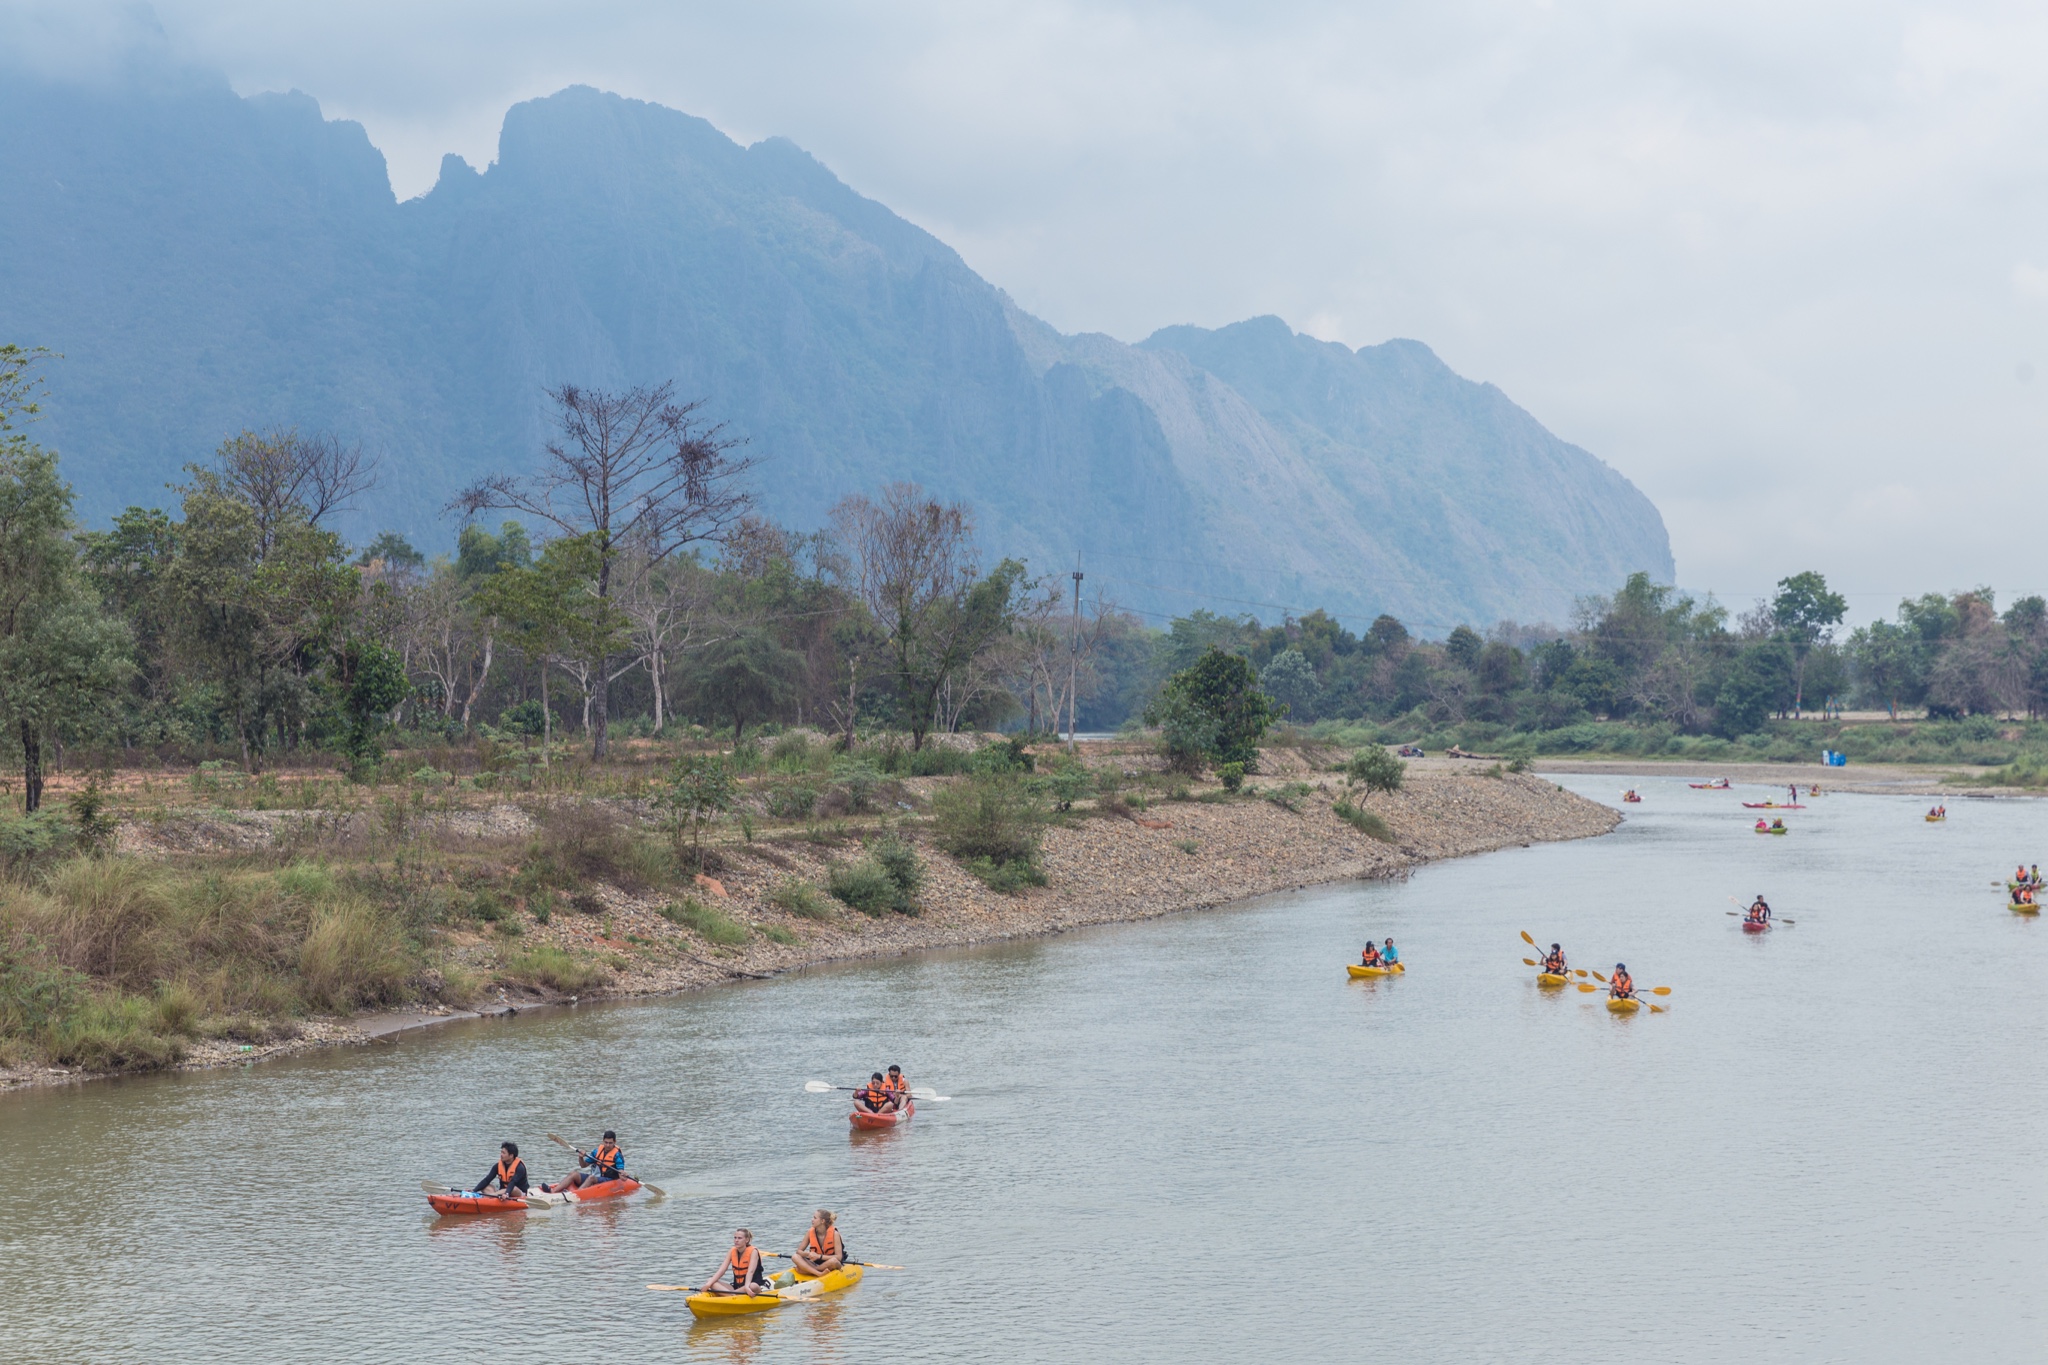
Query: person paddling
column 898, row 1085
column 875, row 1097
column 605, row 1160
column 1553, row 961
column 1371, row 956
column 821, row 1251
column 1760, row 910
column 1778, row 823
column 1622, row 986
column 509, row 1173
column 1389, row 955
column 742, row 1271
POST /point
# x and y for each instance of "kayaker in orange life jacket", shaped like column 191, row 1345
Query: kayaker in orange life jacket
column 1621, row 986
column 510, row 1173
column 894, row 1080
column 822, row 1249
column 1371, row 956
column 742, row 1271
column 876, row 1097
column 1760, row 911
column 605, row 1160
column 1553, row 961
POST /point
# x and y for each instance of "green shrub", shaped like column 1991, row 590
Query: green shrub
column 792, row 801
column 1288, row 797
column 1067, row 782
column 178, row 1008
column 775, row 933
column 487, row 906
column 998, row 818
column 1186, row 845
column 1364, row 821
column 546, row 965
column 799, row 898
column 1376, row 770
column 26, row 840
column 865, row 885
column 351, row 958
column 1231, row 775
column 1003, row 756
column 857, row 778
column 92, row 822
column 1007, row 877
column 897, row 858
column 708, row 921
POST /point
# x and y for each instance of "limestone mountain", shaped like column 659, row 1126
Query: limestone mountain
column 207, row 262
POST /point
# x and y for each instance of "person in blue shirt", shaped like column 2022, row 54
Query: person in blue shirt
column 1389, row 955
column 605, row 1160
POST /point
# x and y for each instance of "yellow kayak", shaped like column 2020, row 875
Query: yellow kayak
column 2023, row 908
column 1934, row 819
column 790, row 1287
column 1396, row 970
column 1623, row 1006
column 1552, row 979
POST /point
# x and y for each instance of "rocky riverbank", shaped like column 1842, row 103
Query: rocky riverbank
column 1123, row 861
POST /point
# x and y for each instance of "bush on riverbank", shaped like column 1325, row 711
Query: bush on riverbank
column 993, row 825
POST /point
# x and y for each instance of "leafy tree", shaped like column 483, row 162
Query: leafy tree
column 1758, row 683
column 550, row 608
column 61, row 658
column 1888, row 658
column 1463, row 648
column 744, row 677
column 1501, row 669
column 1291, row 680
column 1375, row 769
column 1805, row 613
column 700, row 788
column 376, row 684
column 1223, row 689
column 393, row 551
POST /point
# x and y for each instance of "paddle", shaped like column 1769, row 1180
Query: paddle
column 431, row 1188
column 561, row 1141
column 1741, row 911
column 871, row 1265
column 1654, row 1008
column 920, row 1093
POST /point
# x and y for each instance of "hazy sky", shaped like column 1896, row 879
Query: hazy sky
column 1784, row 265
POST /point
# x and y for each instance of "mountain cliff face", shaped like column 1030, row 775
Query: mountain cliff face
column 207, row 262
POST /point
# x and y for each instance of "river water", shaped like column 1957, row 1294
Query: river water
column 1187, row 1140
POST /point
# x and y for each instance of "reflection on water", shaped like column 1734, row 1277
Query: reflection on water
column 1187, row 1140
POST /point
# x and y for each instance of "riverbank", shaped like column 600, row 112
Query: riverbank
column 1116, row 860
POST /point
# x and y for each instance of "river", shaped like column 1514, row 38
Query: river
column 1190, row 1139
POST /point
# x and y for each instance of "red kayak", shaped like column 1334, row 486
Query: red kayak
column 1752, row 926
column 1708, row 786
column 463, row 1201
column 1772, row 805
column 603, row 1189
column 861, row 1118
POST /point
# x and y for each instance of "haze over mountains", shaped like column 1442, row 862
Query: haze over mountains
column 207, row 262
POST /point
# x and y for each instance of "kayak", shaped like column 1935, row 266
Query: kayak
column 468, row 1201
column 1772, row 805
column 2023, row 908
column 790, row 1287
column 1779, row 830
column 603, row 1189
column 861, row 1118
column 1708, row 786
column 1358, row 970
column 1552, row 980
column 1751, row 926
column 1623, row 1006
column 1934, row 819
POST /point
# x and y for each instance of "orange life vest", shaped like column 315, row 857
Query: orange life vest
column 1623, row 984
column 606, row 1158
column 744, row 1266
column 900, row 1085
column 505, row 1172
column 829, row 1247
column 1370, row 956
column 877, row 1095
column 1554, row 964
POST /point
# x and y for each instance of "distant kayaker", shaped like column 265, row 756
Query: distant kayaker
column 1761, row 826
column 605, row 1160
column 1389, row 955
column 821, row 1249
column 1553, row 961
column 741, row 1272
column 1621, row 986
column 876, row 1097
column 1371, row 956
column 2035, row 875
column 1795, row 795
column 2020, row 878
column 1778, row 823
column 1760, row 910
column 510, row 1173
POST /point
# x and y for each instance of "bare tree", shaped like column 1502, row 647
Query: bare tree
column 278, row 472
column 633, row 467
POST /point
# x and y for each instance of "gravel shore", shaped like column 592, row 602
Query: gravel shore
column 1100, row 868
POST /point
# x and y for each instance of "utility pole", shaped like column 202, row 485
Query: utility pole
column 1074, row 664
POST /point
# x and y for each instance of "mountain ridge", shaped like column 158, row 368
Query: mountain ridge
column 209, row 261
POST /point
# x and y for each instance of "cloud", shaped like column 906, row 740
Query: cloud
column 1754, row 255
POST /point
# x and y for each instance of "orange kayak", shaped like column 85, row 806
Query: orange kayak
column 463, row 1201
column 861, row 1118
column 604, row 1189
